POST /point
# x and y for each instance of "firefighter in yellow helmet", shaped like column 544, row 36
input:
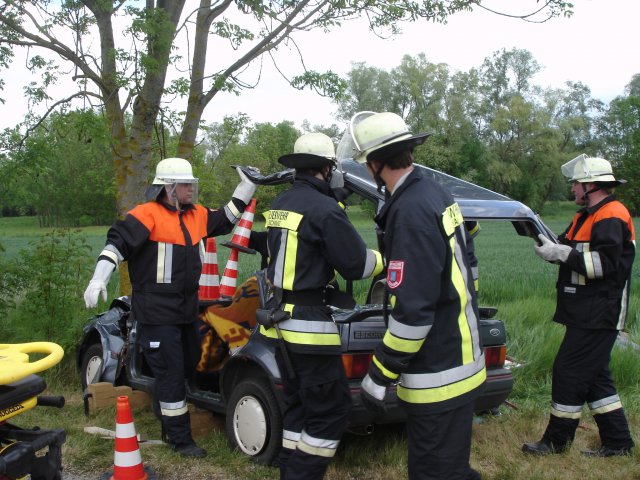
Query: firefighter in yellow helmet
column 161, row 242
column 595, row 254
column 310, row 237
column 431, row 348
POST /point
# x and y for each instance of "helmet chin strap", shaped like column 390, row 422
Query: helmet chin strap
column 377, row 177
column 585, row 193
column 171, row 195
column 327, row 176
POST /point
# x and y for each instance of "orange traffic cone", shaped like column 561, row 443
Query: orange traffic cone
column 230, row 275
column 209, row 282
column 127, row 463
column 242, row 232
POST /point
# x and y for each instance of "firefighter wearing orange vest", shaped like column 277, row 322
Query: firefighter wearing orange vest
column 161, row 240
column 595, row 254
column 310, row 237
column 432, row 347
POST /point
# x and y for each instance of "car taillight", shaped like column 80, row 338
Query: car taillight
column 356, row 365
column 495, row 356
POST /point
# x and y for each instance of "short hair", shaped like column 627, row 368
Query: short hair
column 308, row 171
column 608, row 187
column 403, row 159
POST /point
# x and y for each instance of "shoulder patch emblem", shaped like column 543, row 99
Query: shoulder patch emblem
column 394, row 273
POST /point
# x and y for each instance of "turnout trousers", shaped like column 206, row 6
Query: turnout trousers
column 440, row 445
column 581, row 374
column 317, row 404
column 172, row 353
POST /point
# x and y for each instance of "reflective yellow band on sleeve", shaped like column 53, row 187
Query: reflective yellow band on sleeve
column 402, row 344
column 387, row 373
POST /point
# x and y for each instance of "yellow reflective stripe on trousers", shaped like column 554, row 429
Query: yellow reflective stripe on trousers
column 173, row 409
column 290, row 439
column 605, row 405
column 317, row 446
column 566, row 411
column 442, row 393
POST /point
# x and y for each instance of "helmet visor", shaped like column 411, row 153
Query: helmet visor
column 183, row 193
column 348, row 147
column 569, row 169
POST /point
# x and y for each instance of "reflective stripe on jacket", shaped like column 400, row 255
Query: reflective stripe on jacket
column 593, row 285
column 432, row 345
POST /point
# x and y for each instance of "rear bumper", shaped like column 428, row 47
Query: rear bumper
column 497, row 389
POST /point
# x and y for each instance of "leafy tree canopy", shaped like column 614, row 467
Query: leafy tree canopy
column 137, row 58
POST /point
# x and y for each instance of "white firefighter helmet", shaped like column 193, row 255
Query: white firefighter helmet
column 585, row 169
column 174, row 170
column 169, row 173
column 381, row 135
column 311, row 150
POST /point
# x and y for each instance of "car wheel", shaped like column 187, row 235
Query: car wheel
column 91, row 365
column 254, row 420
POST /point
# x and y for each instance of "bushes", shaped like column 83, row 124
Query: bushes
column 41, row 289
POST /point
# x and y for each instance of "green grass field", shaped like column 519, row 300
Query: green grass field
column 512, row 279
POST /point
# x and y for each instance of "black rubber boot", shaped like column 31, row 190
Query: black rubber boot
column 605, row 451
column 190, row 450
column 542, row 447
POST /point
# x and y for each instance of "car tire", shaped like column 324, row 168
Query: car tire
column 254, row 420
column 91, row 365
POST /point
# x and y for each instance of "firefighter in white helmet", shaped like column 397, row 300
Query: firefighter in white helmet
column 431, row 348
column 161, row 242
column 310, row 237
column 595, row 254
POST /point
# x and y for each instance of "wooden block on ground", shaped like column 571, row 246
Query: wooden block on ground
column 122, row 390
column 100, row 388
column 203, row 422
column 139, row 399
column 104, row 394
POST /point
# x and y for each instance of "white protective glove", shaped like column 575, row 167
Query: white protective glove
column 245, row 189
column 552, row 252
column 98, row 284
column 372, row 395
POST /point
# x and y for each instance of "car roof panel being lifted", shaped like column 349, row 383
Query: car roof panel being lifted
column 476, row 202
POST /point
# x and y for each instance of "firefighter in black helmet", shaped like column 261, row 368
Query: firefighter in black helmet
column 431, row 348
column 310, row 237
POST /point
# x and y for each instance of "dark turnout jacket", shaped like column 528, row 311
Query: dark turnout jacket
column 162, row 247
column 310, row 238
column 432, row 345
column 593, row 284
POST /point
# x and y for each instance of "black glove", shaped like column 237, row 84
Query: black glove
column 372, row 395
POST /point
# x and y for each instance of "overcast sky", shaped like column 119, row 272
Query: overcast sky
column 597, row 46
